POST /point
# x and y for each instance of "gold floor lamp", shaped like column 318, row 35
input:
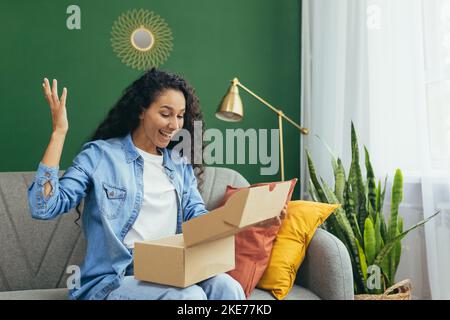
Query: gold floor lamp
column 231, row 110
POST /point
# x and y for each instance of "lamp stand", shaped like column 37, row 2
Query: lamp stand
column 281, row 115
column 280, row 126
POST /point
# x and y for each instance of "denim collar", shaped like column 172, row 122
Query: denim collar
column 131, row 154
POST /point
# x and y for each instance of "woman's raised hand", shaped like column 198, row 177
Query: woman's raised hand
column 57, row 106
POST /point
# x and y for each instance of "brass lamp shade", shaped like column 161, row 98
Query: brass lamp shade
column 231, row 108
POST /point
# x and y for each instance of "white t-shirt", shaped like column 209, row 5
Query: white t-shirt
column 158, row 216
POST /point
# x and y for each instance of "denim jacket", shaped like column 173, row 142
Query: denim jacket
column 108, row 174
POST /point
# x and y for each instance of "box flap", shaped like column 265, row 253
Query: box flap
column 244, row 208
column 170, row 241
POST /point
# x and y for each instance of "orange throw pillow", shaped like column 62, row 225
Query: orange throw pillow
column 253, row 245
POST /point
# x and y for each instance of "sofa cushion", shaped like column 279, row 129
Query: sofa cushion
column 34, row 254
column 297, row 293
column 44, row 294
column 215, row 184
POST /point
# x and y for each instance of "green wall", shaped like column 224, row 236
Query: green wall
column 256, row 40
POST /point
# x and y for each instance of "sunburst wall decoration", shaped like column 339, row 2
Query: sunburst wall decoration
column 141, row 39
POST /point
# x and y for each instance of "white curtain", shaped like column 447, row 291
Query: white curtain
column 385, row 65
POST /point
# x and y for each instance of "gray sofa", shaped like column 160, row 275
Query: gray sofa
column 34, row 254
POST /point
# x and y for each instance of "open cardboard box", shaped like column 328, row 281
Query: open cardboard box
column 206, row 246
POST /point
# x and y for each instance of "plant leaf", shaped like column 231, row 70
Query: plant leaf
column 350, row 212
column 385, row 268
column 348, row 234
column 383, row 228
column 397, row 251
column 356, row 181
column 371, row 186
column 378, row 238
column 312, row 191
column 369, row 241
column 363, row 261
column 334, row 163
column 315, row 181
column 396, row 198
column 388, row 246
column 378, row 197
column 339, row 177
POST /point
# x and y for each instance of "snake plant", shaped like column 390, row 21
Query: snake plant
column 374, row 245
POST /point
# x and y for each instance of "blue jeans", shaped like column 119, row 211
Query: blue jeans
column 220, row 287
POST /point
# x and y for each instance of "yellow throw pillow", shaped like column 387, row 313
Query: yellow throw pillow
column 288, row 252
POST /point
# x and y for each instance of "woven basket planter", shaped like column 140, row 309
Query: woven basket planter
column 399, row 291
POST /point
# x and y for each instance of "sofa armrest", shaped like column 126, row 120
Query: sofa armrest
column 327, row 270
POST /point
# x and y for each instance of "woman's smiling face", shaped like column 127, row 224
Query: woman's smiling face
column 160, row 121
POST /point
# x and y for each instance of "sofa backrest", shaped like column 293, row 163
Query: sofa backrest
column 35, row 254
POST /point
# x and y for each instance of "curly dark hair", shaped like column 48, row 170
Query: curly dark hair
column 123, row 118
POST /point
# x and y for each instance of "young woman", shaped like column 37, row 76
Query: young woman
column 133, row 188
